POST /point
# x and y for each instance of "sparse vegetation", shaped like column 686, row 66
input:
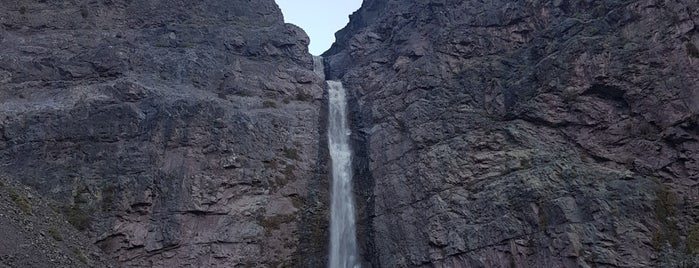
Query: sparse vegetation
column 55, row 234
column 303, row 97
column 107, row 198
column 616, row 213
column 164, row 75
column 569, row 96
column 296, row 201
column 78, row 217
column 22, row 10
column 273, row 223
column 186, row 44
column 692, row 50
column 269, row 104
column 279, row 182
column 84, row 12
column 318, row 230
column 289, row 171
column 291, row 153
column 543, row 217
column 693, row 239
column 665, row 203
column 244, row 93
column 284, row 264
column 658, row 240
column 272, row 164
column 78, row 253
column 162, row 43
column 21, row 201
column 665, row 212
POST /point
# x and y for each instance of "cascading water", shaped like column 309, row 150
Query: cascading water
column 318, row 66
column 343, row 241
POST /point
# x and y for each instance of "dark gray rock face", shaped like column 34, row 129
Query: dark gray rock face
column 175, row 133
column 524, row 133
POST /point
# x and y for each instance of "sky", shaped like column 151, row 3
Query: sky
column 319, row 18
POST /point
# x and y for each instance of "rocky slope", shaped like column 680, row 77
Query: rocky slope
column 555, row 133
column 33, row 234
column 174, row 133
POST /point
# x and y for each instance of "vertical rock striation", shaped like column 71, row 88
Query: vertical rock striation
column 555, row 133
column 174, row 133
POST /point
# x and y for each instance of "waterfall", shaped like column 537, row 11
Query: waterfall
column 343, row 241
column 318, row 66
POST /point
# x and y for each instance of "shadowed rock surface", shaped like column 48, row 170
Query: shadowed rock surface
column 524, row 133
column 174, row 133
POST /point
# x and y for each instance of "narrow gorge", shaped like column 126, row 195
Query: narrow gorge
column 433, row 133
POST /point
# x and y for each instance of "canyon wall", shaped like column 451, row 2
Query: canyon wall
column 559, row 133
column 173, row 133
column 555, row 133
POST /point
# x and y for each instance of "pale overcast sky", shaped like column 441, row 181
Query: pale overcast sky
column 319, row 18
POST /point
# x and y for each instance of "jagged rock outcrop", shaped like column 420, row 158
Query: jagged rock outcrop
column 174, row 133
column 558, row 133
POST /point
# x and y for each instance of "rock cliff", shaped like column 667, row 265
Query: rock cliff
column 555, row 133
column 561, row 133
column 174, row 133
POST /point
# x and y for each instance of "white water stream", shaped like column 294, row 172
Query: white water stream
column 343, row 241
